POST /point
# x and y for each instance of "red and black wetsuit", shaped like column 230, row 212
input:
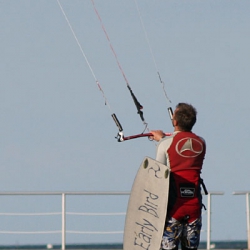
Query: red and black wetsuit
column 184, row 153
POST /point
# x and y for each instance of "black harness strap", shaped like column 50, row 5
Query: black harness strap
column 203, row 186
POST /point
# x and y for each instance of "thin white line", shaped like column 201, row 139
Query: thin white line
column 26, row 232
column 95, row 214
column 146, row 35
column 84, row 55
column 83, row 232
column 29, row 214
column 77, row 41
column 151, row 51
column 57, row 231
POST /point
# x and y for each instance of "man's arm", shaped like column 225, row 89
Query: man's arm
column 161, row 152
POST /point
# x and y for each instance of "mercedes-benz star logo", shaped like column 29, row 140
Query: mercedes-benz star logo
column 189, row 147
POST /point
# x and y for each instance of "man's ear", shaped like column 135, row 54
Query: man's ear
column 175, row 123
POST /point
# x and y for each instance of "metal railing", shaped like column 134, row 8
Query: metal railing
column 246, row 193
column 63, row 212
column 209, row 200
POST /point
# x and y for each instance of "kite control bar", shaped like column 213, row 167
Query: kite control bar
column 120, row 137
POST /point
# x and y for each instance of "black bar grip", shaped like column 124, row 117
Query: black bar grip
column 118, row 124
column 170, row 111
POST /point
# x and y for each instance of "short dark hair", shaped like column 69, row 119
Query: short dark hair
column 185, row 115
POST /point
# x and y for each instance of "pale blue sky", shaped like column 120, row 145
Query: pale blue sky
column 56, row 132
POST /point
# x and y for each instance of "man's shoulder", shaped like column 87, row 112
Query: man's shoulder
column 187, row 134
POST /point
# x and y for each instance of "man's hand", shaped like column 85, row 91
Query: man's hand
column 157, row 135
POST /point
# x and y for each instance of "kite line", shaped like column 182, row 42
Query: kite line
column 92, row 71
column 120, row 136
column 153, row 58
column 151, row 51
column 139, row 107
column 84, row 55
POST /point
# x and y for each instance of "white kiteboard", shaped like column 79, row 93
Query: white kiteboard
column 147, row 207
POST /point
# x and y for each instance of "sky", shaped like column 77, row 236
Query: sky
column 57, row 134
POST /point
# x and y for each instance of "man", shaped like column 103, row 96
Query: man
column 184, row 153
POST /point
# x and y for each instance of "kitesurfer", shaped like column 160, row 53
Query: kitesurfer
column 184, row 153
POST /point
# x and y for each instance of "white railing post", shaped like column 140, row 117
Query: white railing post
column 208, row 220
column 248, row 215
column 209, row 199
column 248, row 221
column 63, row 221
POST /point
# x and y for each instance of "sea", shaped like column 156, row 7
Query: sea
column 110, row 246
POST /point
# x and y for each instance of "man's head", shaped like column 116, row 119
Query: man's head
column 184, row 117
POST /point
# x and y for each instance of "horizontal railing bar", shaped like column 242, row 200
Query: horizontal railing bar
column 66, row 193
column 94, row 232
column 216, row 193
column 59, row 231
column 60, row 213
column 31, row 232
column 95, row 214
column 31, row 214
column 241, row 192
column 86, row 193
